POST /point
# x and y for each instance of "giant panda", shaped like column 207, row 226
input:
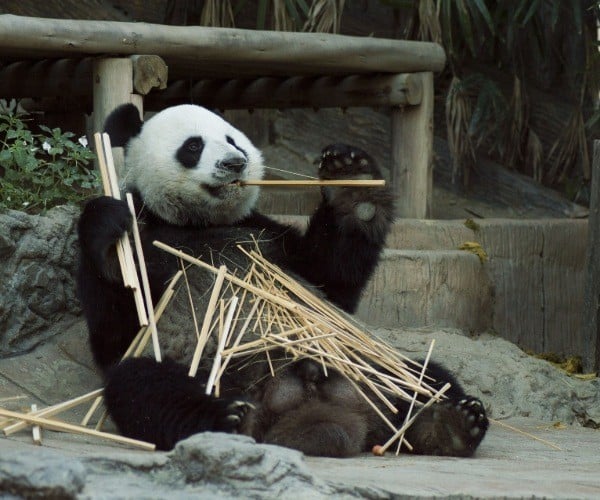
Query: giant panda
column 184, row 167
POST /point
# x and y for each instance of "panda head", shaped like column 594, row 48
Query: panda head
column 187, row 163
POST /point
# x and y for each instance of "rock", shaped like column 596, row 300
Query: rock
column 37, row 276
column 509, row 382
column 241, row 464
column 43, row 474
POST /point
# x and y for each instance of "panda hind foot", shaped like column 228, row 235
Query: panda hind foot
column 230, row 414
column 451, row 428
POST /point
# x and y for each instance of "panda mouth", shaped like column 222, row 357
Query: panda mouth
column 219, row 190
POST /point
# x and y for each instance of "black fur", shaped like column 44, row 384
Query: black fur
column 300, row 408
column 189, row 152
column 123, row 124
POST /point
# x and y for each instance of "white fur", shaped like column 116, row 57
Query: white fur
column 176, row 193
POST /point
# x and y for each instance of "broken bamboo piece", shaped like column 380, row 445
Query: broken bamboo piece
column 57, row 425
column 54, row 410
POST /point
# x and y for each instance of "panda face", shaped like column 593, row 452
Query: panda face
column 187, row 164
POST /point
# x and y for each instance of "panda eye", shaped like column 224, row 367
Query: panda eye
column 188, row 154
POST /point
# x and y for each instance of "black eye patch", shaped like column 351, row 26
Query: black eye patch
column 230, row 140
column 190, row 151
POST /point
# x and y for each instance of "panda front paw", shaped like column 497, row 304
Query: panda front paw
column 230, row 414
column 341, row 162
column 450, row 428
column 103, row 221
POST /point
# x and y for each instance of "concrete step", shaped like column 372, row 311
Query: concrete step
column 529, row 291
column 416, row 288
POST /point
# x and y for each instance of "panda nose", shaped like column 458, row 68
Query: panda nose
column 233, row 163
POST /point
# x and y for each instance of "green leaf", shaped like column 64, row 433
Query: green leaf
column 261, row 14
column 291, row 8
column 464, row 19
column 485, row 13
column 532, row 10
column 303, row 7
column 5, row 157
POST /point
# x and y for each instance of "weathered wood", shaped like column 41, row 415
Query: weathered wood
column 46, row 78
column 591, row 301
column 113, row 86
column 294, row 92
column 191, row 51
column 412, row 153
column 73, row 77
column 148, row 72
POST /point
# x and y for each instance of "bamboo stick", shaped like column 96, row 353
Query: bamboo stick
column 400, row 432
column 207, row 320
column 124, row 253
column 218, row 356
column 315, row 182
column 36, row 431
column 75, row 429
column 145, row 283
column 257, row 291
column 107, row 188
column 55, row 409
column 414, row 398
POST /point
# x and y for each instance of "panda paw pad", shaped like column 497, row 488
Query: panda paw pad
column 475, row 419
column 341, row 161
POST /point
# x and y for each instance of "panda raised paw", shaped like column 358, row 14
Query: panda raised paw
column 341, row 162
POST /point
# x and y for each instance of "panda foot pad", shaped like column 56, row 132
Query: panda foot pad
column 450, row 428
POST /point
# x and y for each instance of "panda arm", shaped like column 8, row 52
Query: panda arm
column 107, row 305
column 341, row 247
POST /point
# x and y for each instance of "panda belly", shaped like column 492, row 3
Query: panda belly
column 178, row 333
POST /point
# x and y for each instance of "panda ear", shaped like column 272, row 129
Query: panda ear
column 123, row 124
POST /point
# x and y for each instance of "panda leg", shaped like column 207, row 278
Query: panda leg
column 161, row 404
column 320, row 429
column 453, row 427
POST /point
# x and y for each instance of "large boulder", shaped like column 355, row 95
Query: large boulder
column 37, row 276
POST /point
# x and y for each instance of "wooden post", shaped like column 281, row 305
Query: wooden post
column 113, row 86
column 590, row 348
column 412, row 153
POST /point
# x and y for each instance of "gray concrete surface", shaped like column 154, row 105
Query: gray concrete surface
column 508, row 465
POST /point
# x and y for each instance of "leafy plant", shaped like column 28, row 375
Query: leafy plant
column 41, row 170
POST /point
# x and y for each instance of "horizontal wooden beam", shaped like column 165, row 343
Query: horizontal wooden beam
column 73, row 77
column 294, row 92
column 200, row 52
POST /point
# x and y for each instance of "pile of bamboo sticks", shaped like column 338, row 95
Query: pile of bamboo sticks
column 267, row 310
